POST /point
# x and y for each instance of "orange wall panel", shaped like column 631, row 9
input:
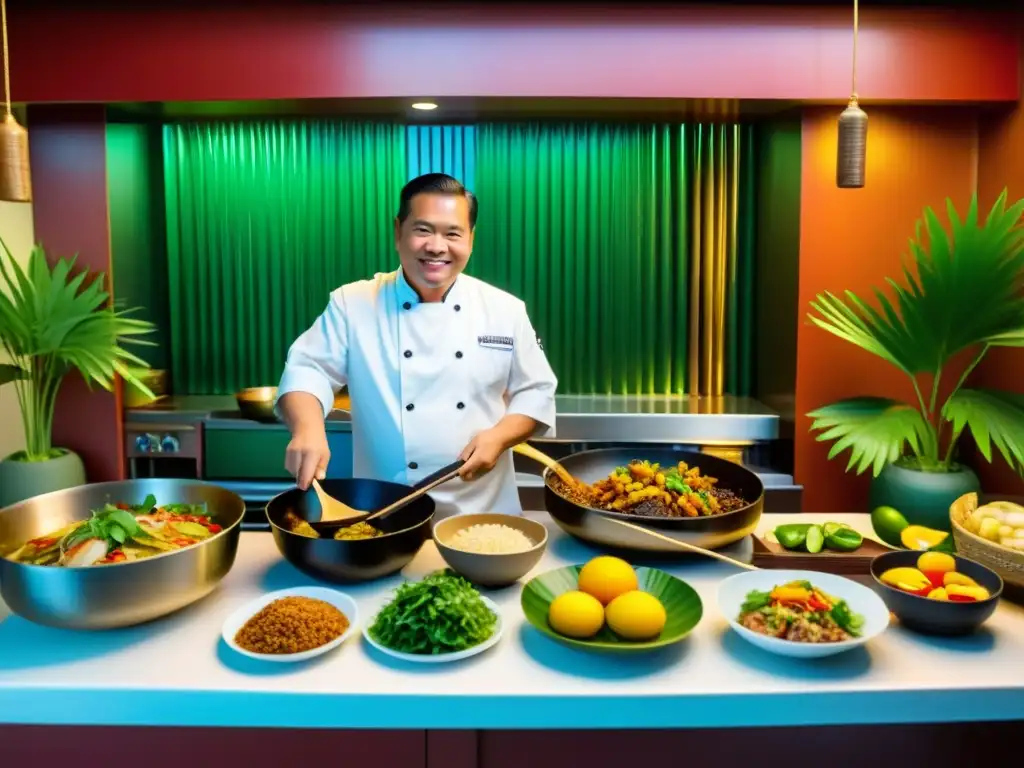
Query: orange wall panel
column 1001, row 166
column 853, row 240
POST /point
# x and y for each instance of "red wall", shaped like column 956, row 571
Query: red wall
column 69, row 179
column 297, row 50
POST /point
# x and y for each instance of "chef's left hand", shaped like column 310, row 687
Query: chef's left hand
column 481, row 454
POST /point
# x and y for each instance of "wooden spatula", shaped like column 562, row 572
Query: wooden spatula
column 336, row 514
column 530, row 452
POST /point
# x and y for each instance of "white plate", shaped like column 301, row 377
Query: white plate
column 424, row 658
column 863, row 600
column 339, row 600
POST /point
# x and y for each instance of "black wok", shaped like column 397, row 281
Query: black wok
column 594, row 526
column 341, row 560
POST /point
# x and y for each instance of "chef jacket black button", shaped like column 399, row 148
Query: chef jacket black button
column 409, row 407
column 413, row 465
column 458, row 355
column 408, row 353
column 458, row 308
column 461, row 406
column 407, row 305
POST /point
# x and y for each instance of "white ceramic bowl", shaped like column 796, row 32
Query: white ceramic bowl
column 863, row 600
column 439, row 658
column 339, row 600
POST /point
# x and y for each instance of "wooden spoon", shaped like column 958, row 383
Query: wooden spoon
column 563, row 473
column 336, row 514
column 530, row 452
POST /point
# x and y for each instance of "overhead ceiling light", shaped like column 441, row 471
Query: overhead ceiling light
column 424, row 105
column 851, row 156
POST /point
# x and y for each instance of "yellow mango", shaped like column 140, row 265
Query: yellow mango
column 919, row 537
column 936, row 562
column 905, row 578
column 959, row 590
column 958, row 578
column 938, row 593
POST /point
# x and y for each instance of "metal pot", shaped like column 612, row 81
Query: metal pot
column 595, row 526
column 257, row 403
column 122, row 594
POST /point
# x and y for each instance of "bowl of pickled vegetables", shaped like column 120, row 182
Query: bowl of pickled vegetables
column 936, row 593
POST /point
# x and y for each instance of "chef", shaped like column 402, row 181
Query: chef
column 439, row 365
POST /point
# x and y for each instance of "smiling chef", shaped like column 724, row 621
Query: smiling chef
column 439, row 365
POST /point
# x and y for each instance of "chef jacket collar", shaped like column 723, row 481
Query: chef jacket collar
column 407, row 294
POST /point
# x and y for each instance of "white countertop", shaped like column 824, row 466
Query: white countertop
column 178, row 672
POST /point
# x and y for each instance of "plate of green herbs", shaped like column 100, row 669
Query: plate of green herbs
column 440, row 618
column 855, row 608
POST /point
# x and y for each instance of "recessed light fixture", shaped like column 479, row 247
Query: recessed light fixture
column 424, row 105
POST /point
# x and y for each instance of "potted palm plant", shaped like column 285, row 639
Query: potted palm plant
column 54, row 320
column 960, row 296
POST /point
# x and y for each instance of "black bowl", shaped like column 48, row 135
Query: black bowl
column 711, row 532
column 347, row 561
column 936, row 617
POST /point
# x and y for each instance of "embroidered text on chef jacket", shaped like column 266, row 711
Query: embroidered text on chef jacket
column 424, row 378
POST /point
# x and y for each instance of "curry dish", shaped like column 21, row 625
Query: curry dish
column 651, row 490
column 119, row 533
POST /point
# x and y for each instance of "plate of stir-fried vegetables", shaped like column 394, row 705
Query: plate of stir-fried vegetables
column 120, row 533
column 802, row 613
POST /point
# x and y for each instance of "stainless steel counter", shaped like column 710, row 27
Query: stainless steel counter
column 581, row 418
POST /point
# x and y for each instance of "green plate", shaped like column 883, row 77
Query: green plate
column 682, row 606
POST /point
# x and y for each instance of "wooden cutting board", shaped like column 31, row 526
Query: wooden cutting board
column 769, row 554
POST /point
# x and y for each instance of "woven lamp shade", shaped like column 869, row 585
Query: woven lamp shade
column 852, row 148
column 15, row 178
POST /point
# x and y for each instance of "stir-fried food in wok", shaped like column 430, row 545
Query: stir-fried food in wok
column 643, row 488
column 119, row 533
column 353, row 532
column 800, row 612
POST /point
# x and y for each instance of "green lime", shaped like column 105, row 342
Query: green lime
column 888, row 524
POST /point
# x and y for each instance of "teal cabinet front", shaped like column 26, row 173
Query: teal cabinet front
column 258, row 454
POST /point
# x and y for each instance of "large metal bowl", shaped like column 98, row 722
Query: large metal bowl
column 122, row 594
column 597, row 526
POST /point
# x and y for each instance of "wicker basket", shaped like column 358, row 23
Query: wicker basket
column 1008, row 563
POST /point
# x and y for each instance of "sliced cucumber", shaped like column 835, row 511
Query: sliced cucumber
column 815, row 539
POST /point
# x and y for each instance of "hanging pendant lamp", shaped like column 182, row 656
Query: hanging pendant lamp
column 851, row 156
column 15, row 177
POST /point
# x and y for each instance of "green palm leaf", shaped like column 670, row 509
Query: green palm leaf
column 877, row 430
column 993, row 417
column 962, row 288
column 54, row 319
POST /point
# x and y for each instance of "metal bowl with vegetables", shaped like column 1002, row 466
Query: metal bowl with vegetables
column 116, row 554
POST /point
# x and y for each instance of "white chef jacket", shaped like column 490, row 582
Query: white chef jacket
column 424, row 378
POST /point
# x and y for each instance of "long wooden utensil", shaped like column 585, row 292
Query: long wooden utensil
column 336, row 514
column 563, row 473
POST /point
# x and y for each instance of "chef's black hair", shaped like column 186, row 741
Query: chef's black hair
column 435, row 184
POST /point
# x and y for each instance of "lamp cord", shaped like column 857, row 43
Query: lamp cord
column 7, row 73
column 853, row 85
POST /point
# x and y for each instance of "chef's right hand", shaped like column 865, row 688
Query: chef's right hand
column 307, row 455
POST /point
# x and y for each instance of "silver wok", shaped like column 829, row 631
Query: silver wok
column 122, row 594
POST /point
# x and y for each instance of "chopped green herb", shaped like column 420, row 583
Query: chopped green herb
column 443, row 613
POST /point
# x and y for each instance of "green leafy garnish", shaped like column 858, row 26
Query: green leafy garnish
column 755, row 601
column 443, row 613
column 847, row 619
column 110, row 524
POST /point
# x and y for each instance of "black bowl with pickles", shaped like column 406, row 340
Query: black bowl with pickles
column 813, row 538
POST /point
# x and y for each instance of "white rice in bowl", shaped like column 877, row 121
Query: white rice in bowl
column 492, row 539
